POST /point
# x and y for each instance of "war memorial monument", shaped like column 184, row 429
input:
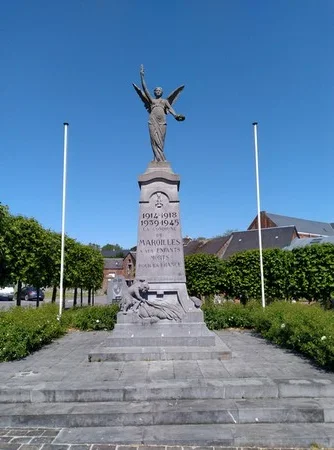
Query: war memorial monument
column 161, row 380
column 158, row 320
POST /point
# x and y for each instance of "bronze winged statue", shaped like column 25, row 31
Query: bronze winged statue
column 158, row 109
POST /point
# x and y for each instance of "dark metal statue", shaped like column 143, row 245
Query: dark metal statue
column 158, row 109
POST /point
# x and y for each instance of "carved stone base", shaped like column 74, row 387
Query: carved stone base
column 135, row 339
column 161, row 353
column 160, row 321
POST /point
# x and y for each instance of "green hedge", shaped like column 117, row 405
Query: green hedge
column 229, row 315
column 89, row 318
column 307, row 329
column 304, row 273
column 25, row 330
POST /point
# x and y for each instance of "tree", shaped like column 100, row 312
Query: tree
column 28, row 253
column 314, row 272
column 243, row 275
column 278, row 273
column 227, row 232
column 89, row 269
column 205, row 274
column 96, row 246
column 4, row 249
column 112, row 247
column 54, row 248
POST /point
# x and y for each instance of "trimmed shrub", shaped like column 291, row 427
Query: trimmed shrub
column 307, row 329
column 24, row 330
column 205, row 274
column 91, row 317
column 229, row 315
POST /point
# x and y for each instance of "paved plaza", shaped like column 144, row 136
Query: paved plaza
column 58, row 382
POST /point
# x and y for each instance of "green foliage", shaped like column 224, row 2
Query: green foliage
column 307, row 329
column 24, row 330
column 243, row 276
column 229, row 315
column 30, row 254
column 25, row 239
column 4, row 250
column 112, row 247
column 91, row 317
column 278, row 274
column 96, row 246
column 306, row 272
column 205, row 274
column 314, row 272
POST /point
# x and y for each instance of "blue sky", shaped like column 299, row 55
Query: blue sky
column 241, row 61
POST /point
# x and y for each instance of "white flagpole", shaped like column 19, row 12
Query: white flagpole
column 63, row 224
column 259, row 212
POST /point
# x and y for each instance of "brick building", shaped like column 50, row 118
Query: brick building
column 125, row 266
column 305, row 228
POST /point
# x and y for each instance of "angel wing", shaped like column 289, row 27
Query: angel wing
column 143, row 97
column 173, row 96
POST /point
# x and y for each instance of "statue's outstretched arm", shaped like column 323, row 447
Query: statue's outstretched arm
column 146, row 91
column 169, row 108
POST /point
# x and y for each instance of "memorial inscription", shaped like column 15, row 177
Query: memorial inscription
column 160, row 247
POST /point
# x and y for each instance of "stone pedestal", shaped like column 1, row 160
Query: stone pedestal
column 141, row 334
column 160, row 258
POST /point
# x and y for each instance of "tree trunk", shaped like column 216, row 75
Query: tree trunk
column 89, row 296
column 64, row 293
column 81, row 296
column 18, row 298
column 37, row 299
column 75, row 296
column 93, row 297
column 54, row 294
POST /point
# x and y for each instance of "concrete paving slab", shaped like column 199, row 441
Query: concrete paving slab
column 216, row 369
column 101, row 435
column 60, row 372
column 186, row 370
column 161, row 370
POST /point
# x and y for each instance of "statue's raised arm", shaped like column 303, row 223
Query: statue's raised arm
column 158, row 108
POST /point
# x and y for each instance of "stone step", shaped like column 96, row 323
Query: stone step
column 164, row 353
column 161, row 341
column 293, row 435
column 167, row 328
column 181, row 412
column 171, row 389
